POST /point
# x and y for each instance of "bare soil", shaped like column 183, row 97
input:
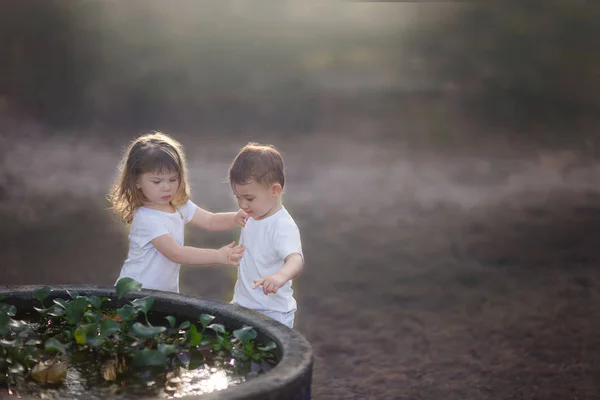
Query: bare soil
column 429, row 275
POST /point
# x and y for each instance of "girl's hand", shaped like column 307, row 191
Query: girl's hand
column 270, row 283
column 231, row 254
column 240, row 218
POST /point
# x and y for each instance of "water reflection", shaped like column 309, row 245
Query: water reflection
column 199, row 381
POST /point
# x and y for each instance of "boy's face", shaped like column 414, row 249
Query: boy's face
column 256, row 199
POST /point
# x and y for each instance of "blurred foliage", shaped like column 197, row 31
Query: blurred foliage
column 519, row 61
column 154, row 62
column 45, row 58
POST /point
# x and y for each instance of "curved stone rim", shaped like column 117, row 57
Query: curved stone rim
column 297, row 355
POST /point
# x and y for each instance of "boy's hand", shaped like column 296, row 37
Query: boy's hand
column 231, row 254
column 240, row 218
column 270, row 283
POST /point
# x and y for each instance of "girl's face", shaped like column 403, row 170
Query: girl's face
column 159, row 188
column 257, row 200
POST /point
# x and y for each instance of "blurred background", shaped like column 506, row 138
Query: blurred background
column 442, row 165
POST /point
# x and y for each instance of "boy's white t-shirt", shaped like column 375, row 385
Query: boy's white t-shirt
column 144, row 263
column 267, row 243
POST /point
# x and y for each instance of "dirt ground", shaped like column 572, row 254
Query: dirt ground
column 429, row 275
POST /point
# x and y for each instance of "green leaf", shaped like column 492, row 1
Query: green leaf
column 56, row 311
column 92, row 316
column 41, row 293
column 217, row 328
column 95, row 342
column 16, row 368
column 84, row 332
column 167, row 349
column 18, row 326
column 206, row 319
column 54, row 344
column 4, row 324
column 127, row 312
column 108, row 327
column 41, row 310
column 149, row 358
column 94, row 301
column 144, row 331
column 8, row 343
column 171, row 320
column 73, row 293
column 184, row 325
column 245, row 334
column 144, row 303
column 75, row 310
column 268, row 346
column 8, row 309
column 127, row 285
column 61, row 303
column 193, row 336
column 33, row 342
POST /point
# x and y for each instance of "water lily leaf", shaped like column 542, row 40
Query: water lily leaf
column 171, row 320
column 54, row 344
column 127, row 285
column 84, row 332
column 94, row 301
column 8, row 343
column 92, row 316
column 193, row 335
column 184, row 325
column 149, row 358
column 40, row 310
column 18, row 326
column 8, row 309
column 41, row 293
column 4, row 324
column 61, row 303
column 144, row 303
column 184, row 357
column 16, row 368
column 167, row 349
column 109, row 326
column 95, row 341
column 144, row 331
column 245, row 334
column 217, row 328
column 206, row 319
column 56, row 311
column 127, row 312
column 268, row 346
column 75, row 310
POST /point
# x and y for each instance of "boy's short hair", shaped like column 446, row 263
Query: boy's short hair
column 259, row 163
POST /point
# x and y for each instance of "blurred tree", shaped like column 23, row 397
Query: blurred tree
column 47, row 56
column 516, row 60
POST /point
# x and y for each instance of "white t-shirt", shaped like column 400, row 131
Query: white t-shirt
column 267, row 243
column 144, row 263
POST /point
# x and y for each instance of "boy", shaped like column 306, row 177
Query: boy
column 273, row 251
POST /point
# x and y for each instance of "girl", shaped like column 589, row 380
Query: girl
column 151, row 192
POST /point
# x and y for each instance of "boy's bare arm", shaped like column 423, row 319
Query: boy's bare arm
column 291, row 269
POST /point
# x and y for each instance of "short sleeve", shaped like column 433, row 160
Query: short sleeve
column 287, row 240
column 145, row 229
column 187, row 211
